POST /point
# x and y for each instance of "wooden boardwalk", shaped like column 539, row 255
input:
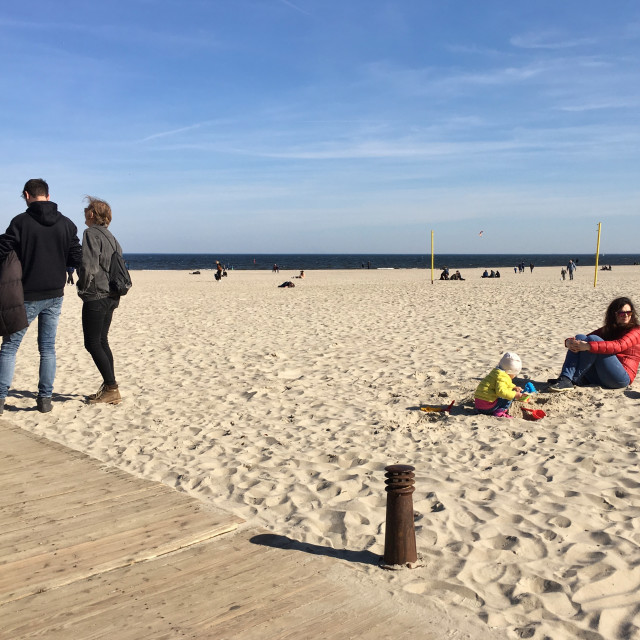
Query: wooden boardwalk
column 89, row 552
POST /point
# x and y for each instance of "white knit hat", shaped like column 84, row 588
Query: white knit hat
column 511, row 363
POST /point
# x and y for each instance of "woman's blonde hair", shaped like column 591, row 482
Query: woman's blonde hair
column 100, row 209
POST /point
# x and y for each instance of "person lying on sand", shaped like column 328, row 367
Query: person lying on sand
column 607, row 357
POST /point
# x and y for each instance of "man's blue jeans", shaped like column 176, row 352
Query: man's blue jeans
column 48, row 314
column 594, row 368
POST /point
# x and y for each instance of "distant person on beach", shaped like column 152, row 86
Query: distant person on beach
column 607, row 357
column 571, row 267
column 497, row 274
column 497, row 391
column 531, row 265
column 286, row 285
column 563, row 273
column 485, row 274
column 218, row 273
column 456, row 276
column 46, row 243
column 275, row 269
column 99, row 302
column 301, row 275
column 515, row 270
column 70, row 271
column 444, row 275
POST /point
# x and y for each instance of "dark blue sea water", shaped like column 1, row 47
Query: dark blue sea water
column 193, row 261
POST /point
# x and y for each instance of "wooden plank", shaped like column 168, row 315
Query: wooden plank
column 70, row 517
column 58, row 567
column 87, row 523
column 227, row 588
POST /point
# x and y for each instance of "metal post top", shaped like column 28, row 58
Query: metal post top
column 399, row 468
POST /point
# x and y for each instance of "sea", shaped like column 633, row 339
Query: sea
column 310, row 261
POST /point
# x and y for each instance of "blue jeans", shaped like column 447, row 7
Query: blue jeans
column 48, row 314
column 595, row 368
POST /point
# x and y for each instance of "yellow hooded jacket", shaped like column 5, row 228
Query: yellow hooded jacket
column 498, row 384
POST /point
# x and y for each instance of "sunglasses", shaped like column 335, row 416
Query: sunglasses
column 624, row 313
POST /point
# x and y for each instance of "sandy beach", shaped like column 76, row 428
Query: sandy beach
column 283, row 406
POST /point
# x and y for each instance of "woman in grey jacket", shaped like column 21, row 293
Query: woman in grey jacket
column 98, row 245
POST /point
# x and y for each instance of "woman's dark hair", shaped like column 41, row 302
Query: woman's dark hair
column 612, row 330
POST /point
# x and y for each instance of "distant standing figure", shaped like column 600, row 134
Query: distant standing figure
column 515, row 269
column 70, row 271
column 218, row 273
column 275, row 269
column 531, row 265
column 563, row 273
column 571, row 267
column 99, row 302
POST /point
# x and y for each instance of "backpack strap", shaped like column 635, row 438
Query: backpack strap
column 115, row 248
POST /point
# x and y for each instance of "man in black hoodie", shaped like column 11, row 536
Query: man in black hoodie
column 46, row 243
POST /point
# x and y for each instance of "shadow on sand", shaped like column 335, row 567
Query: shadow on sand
column 282, row 542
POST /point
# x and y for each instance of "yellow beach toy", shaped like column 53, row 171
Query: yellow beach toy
column 429, row 408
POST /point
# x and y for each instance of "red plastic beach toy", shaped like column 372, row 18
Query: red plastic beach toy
column 534, row 414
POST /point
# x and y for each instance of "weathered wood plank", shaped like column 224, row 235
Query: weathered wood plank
column 228, row 588
column 68, row 517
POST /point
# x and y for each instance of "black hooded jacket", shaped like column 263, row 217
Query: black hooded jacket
column 46, row 243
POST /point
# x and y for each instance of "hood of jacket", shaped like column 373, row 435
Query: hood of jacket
column 44, row 212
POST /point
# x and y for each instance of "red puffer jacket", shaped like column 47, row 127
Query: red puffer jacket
column 626, row 349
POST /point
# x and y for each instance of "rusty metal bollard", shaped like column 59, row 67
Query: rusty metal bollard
column 400, row 535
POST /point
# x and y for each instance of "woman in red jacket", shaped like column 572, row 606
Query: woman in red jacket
column 607, row 357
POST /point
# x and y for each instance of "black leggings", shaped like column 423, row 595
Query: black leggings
column 96, row 320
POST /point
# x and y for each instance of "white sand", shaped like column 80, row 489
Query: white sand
column 284, row 406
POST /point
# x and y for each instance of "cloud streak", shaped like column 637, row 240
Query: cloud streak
column 549, row 40
column 295, row 7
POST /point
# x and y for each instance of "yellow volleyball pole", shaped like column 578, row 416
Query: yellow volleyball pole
column 432, row 256
column 595, row 277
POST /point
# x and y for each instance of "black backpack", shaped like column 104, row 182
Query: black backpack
column 119, row 278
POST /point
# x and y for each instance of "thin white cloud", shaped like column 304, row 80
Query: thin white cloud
column 548, row 40
column 295, row 7
column 596, row 106
column 172, row 132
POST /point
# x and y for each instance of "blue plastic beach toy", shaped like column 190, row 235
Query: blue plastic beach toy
column 529, row 388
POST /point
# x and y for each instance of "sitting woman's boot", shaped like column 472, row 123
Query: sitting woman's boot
column 108, row 394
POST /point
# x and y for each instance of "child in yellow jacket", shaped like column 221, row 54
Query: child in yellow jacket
column 496, row 391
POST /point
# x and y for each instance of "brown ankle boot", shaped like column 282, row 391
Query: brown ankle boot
column 97, row 394
column 108, row 394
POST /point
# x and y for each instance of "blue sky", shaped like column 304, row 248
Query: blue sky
column 257, row 126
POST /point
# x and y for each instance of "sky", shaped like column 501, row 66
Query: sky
column 329, row 126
